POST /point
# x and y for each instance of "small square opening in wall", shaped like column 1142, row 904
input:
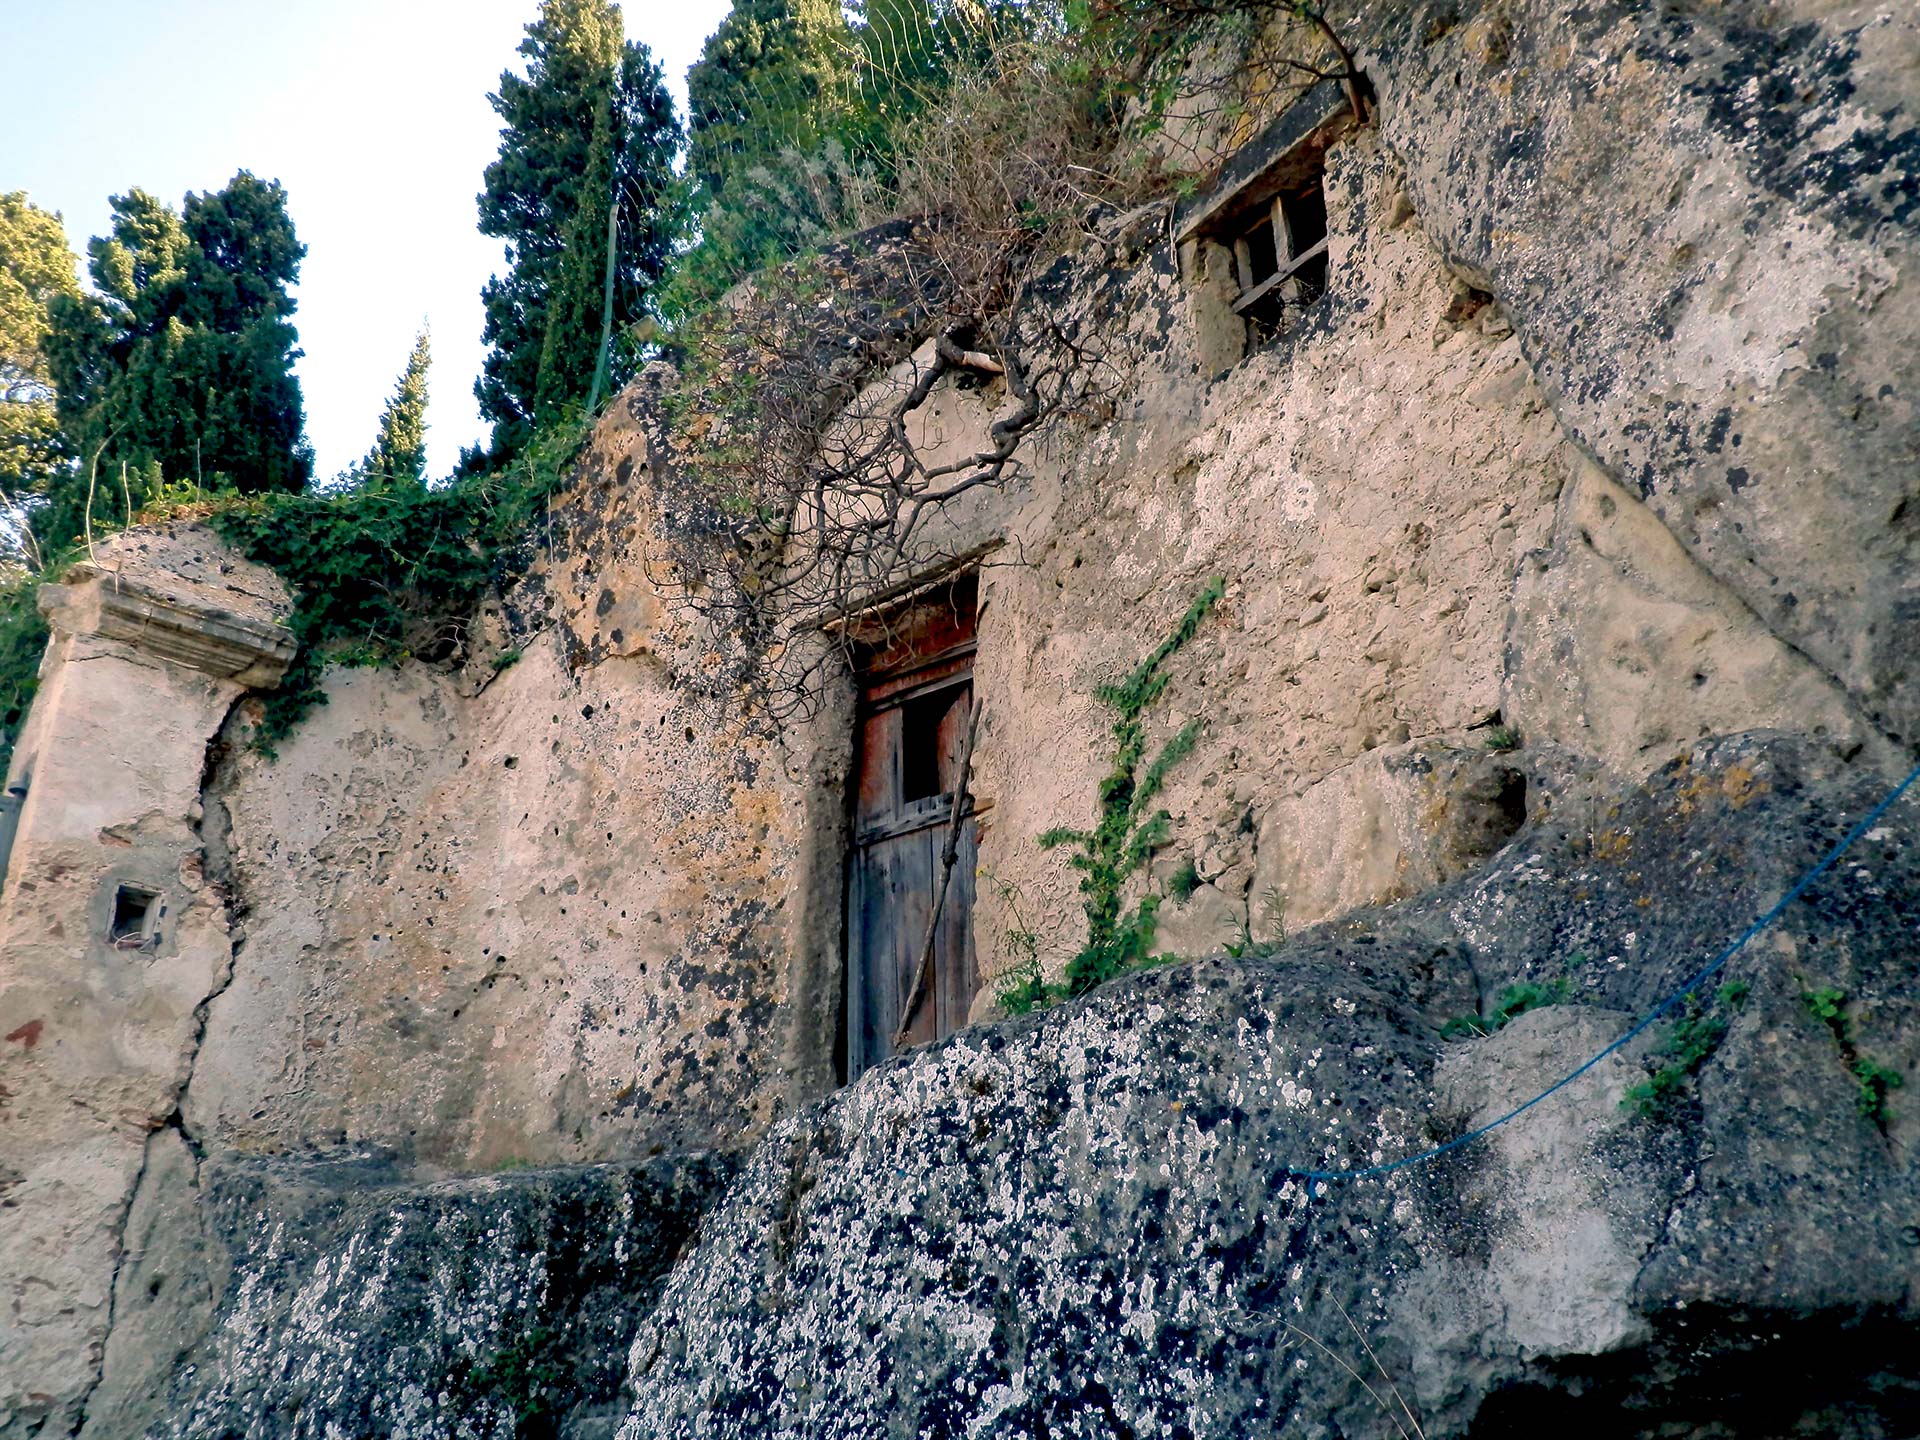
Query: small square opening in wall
column 920, row 748
column 1254, row 247
column 135, row 912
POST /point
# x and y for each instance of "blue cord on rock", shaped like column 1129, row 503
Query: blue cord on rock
column 1318, row 1177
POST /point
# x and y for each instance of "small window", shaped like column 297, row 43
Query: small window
column 1257, row 254
column 923, row 723
column 1304, row 213
column 1283, row 257
column 134, row 913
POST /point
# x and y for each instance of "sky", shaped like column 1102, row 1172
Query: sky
column 373, row 114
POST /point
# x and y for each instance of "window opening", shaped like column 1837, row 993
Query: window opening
column 1258, row 254
column 1304, row 213
column 1285, row 257
column 920, row 735
column 133, row 916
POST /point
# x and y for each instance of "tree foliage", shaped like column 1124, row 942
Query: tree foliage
column 798, row 112
column 382, row 574
column 36, row 267
column 771, row 78
column 590, row 126
column 180, row 369
column 399, row 454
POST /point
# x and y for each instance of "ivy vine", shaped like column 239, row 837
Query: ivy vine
column 1127, row 830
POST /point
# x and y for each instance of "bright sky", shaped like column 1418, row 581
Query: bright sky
column 373, row 114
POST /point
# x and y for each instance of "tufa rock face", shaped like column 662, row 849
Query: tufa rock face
column 478, row 1308
column 1084, row 1224
column 1602, row 441
column 1705, row 225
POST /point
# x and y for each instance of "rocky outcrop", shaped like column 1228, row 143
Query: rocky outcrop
column 1089, row 1223
column 1705, row 223
column 1567, row 559
column 346, row 1303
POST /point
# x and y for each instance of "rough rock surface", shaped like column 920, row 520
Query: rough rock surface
column 1704, row 220
column 349, row 1305
column 1085, row 1224
column 1603, row 434
column 154, row 640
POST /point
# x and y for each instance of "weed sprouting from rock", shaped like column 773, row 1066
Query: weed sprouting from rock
column 1873, row 1081
column 1690, row 1042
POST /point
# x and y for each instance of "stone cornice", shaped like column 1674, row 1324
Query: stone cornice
column 168, row 624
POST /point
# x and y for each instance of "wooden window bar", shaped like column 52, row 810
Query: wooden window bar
column 1279, row 277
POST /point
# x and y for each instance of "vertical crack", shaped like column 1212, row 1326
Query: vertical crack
column 212, row 830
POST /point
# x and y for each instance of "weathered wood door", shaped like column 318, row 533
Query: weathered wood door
column 915, row 701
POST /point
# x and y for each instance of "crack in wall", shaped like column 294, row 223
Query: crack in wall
column 212, row 829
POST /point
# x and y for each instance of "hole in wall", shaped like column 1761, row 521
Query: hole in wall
column 134, row 913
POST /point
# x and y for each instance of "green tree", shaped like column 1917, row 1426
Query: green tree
column 770, row 79
column 798, row 110
column 181, row 368
column 571, row 346
column 586, row 88
column 399, row 454
column 36, row 267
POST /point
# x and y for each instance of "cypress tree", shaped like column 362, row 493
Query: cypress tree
column 571, row 344
column 398, row 458
column 582, row 76
column 768, row 79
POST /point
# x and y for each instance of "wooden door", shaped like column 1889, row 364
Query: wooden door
column 915, row 705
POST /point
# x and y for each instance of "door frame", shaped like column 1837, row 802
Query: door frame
column 888, row 677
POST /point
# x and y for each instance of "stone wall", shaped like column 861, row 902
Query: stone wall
column 1598, row 451
column 1415, row 552
column 153, row 641
column 539, row 917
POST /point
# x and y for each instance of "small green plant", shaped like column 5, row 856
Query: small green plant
column 1503, row 738
column 1022, row 988
column 1184, row 881
column 1127, row 828
column 1512, row 1002
column 1690, row 1042
column 526, row 1374
column 1873, row 1082
column 1826, row 1006
column 508, row 657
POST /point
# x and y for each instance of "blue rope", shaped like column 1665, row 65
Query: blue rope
column 1317, row 1177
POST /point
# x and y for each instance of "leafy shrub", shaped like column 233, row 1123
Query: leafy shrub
column 383, row 575
column 23, row 639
